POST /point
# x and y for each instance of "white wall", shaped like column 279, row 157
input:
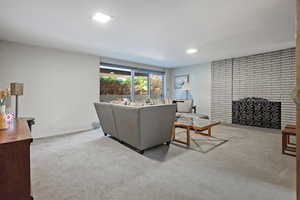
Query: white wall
column 200, row 79
column 60, row 86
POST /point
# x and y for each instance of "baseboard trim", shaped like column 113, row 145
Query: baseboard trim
column 64, row 134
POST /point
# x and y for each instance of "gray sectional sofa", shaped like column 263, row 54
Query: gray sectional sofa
column 142, row 127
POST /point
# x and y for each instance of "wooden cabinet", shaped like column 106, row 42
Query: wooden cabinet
column 15, row 162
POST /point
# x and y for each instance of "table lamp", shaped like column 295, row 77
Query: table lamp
column 187, row 87
column 16, row 89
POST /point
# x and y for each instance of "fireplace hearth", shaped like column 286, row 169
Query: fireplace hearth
column 259, row 112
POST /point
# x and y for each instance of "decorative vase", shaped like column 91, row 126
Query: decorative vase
column 3, row 122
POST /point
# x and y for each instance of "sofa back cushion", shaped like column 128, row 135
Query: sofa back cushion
column 127, row 124
column 156, row 124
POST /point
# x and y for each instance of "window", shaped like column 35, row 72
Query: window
column 118, row 82
column 141, row 86
column 157, row 89
column 114, row 84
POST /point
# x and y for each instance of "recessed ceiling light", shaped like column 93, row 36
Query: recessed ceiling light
column 102, row 18
column 191, row 51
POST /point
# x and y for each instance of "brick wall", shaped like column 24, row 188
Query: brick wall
column 269, row 75
column 221, row 99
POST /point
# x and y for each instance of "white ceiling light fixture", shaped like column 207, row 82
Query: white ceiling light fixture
column 102, row 18
column 191, row 51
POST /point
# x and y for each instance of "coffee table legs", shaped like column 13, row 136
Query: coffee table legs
column 188, row 135
column 173, row 133
column 209, row 131
column 200, row 132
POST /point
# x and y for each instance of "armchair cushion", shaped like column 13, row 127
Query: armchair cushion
column 185, row 107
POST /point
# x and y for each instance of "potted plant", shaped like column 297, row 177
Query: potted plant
column 4, row 94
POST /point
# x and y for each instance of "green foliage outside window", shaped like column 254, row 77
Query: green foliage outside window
column 111, row 84
column 115, row 86
column 141, row 85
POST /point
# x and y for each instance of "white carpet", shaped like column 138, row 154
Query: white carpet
column 89, row 166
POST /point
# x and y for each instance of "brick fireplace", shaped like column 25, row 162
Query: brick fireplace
column 271, row 76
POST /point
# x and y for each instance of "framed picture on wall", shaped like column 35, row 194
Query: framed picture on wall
column 180, row 79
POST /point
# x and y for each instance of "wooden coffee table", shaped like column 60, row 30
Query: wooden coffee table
column 198, row 125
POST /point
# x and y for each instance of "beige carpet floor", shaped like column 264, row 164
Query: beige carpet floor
column 89, row 166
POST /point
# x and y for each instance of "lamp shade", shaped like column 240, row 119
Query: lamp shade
column 16, row 89
column 186, row 86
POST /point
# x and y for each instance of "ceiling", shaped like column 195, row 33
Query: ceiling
column 155, row 32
